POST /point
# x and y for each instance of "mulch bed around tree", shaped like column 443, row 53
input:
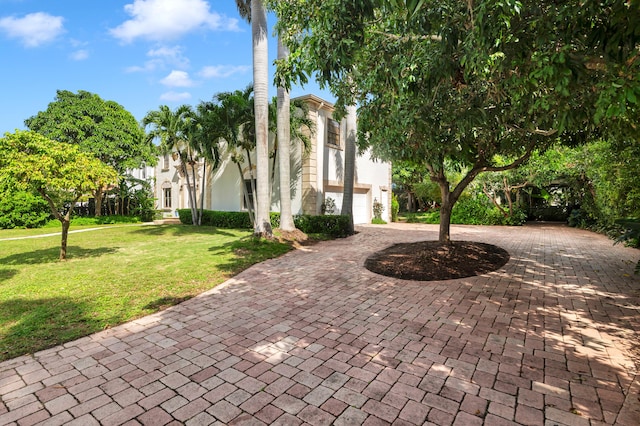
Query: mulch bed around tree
column 436, row 261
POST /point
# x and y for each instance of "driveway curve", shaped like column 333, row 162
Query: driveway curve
column 312, row 337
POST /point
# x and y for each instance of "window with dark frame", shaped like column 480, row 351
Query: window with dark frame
column 167, row 197
column 249, row 186
column 333, row 132
column 165, row 162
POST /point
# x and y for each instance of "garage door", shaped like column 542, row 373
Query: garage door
column 361, row 208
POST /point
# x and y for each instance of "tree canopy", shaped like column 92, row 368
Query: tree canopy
column 103, row 128
column 59, row 172
column 451, row 83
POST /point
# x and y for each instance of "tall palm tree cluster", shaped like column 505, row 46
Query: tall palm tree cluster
column 241, row 123
column 225, row 126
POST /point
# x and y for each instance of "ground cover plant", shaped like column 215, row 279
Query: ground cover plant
column 112, row 275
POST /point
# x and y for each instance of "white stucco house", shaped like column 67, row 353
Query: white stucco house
column 315, row 176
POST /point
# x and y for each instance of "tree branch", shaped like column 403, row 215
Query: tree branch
column 408, row 37
column 536, row 131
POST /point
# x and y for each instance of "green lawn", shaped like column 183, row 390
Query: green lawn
column 112, row 275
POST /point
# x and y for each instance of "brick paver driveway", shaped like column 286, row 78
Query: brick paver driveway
column 314, row 338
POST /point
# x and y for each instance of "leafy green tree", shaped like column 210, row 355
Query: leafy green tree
column 60, row 172
column 458, row 83
column 21, row 209
column 103, row 128
column 606, row 176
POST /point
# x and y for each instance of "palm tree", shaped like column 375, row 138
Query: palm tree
column 206, row 142
column 175, row 129
column 301, row 128
column 255, row 11
column 349, row 166
column 233, row 112
column 284, row 154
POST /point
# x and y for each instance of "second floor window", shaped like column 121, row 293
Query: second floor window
column 333, row 132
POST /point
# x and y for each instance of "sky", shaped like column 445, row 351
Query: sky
column 138, row 53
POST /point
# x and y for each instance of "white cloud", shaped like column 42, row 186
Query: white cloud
column 175, row 96
column 33, row 29
column 223, row 71
column 147, row 67
column 160, row 58
column 80, row 55
column 169, row 19
column 172, row 55
column 177, row 79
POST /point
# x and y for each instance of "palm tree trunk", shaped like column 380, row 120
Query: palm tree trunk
column 247, row 200
column 204, row 175
column 252, row 181
column 284, row 150
column 262, row 226
column 349, row 166
column 194, row 210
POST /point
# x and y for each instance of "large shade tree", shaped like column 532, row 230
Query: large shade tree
column 102, row 128
column 60, row 172
column 452, row 84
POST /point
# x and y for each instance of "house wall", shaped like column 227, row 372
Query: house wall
column 372, row 178
column 314, row 177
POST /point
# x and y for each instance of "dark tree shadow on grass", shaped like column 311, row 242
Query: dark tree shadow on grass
column 28, row 326
column 181, row 230
column 247, row 251
column 6, row 274
column 165, row 302
column 52, row 254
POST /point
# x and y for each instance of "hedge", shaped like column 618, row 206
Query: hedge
column 334, row 225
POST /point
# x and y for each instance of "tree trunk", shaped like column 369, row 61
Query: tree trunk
column 262, row 226
column 97, row 196
column 66, row 223
column 349, row 166
column 284, row 150
column 194, row 209
column 247, row 200
column 494, row 201
column 444, row 234
column 252, row 181
column 204, row 175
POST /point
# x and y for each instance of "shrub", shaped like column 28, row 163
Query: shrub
column 630, row 236
column 378, row 221
column 100, row 220
column 395, row 208
column 333, row 225
column 218, row 219
column 328, row 206
column 23, row 210
column 378, row 208
column 479, row 210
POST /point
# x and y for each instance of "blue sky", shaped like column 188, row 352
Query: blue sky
column 139, row 53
